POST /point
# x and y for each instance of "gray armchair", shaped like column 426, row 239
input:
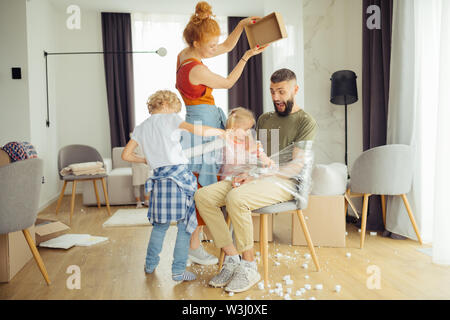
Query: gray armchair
column 385, row 170
column 77, row 153
column 19, row 201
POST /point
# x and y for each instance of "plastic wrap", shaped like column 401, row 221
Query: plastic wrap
column 244, row 157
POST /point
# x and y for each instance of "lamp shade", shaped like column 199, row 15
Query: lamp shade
column 343, row 87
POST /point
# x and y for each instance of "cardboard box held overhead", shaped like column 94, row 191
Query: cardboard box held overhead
column 269, row 29
column 14, row 254
column 47, row 229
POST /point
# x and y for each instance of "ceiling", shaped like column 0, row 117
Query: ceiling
column 220, row 7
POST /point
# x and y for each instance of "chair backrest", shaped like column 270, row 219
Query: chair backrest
column 117, row 159
column 386, row 170
column 20, row 188
column 77, row 153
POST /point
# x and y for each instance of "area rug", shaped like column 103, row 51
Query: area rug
column 128, row 218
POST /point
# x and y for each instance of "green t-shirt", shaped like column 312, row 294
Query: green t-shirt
column 295, row 127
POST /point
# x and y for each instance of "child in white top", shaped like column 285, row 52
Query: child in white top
column 172, row 185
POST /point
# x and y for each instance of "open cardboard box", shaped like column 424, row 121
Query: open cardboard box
column 14, row 253
column 267, row 30
column 4, row 158
column 325, row 218
column 47, row 229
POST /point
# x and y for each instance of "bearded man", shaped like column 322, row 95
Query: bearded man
column 288, row 124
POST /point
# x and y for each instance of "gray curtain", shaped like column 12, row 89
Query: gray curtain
column 247, row 91
column 375, row 83
column 118, row 60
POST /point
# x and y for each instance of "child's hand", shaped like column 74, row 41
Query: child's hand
column 227, row 134
column 268, row 163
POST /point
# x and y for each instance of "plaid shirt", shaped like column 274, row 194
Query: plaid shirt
column 172, row 197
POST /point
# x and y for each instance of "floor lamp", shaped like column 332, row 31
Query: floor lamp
column 344, row 92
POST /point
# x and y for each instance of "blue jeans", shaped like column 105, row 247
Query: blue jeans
column 206, row 165
column 180, row 252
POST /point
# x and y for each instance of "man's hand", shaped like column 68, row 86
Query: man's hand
column 241, row 179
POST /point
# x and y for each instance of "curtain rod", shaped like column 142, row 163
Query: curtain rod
column 97, row 52
column 161, row 52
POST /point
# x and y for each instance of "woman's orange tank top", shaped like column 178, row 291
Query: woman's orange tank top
column 192, row 94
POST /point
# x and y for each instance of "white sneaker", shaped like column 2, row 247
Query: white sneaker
column 200, row 256
column 226, row 273
column 244, row 278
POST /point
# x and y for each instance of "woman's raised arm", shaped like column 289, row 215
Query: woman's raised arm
column 234, row 36
column 200, row 74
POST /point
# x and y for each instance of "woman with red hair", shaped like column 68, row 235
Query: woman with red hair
column 195, row 82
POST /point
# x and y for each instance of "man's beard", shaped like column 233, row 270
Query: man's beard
column 288, row 105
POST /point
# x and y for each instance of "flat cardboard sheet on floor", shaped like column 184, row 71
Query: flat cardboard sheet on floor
column 67, row 241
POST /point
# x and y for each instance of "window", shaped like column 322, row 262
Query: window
column 152, row 72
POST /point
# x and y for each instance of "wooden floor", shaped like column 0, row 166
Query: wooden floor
column 114, row 270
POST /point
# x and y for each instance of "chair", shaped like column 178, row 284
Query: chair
column 264, row 212
column 19, row 201
column 385, row 170
column 119, row 182
column 78, row 154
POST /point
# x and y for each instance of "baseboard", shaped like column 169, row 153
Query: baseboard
column 46, row 204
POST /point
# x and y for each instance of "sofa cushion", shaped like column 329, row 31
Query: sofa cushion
column 121, row 172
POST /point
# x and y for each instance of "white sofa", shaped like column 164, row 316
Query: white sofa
column 119, row 183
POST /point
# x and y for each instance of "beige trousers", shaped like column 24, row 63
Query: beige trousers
column 239, row 203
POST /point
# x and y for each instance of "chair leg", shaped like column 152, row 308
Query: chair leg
column 263, row 237
column 301, row 218
column 72, row 202
column 105, row 193
column 364, row 219
column 58, row 204
column 96, row 193
column 346, row 206
column 36, row 255
column 411, row 217
column 383, row 209
column 346, row 201
column 222, row 253
column 261, row 231
column 349, row 201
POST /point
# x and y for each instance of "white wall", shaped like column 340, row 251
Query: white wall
column 14, row 108
column 286, row 53
column 80, row 87
column 42, row 36
column 333, row 41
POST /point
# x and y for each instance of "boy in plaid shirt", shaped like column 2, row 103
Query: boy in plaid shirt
column 172, row 185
